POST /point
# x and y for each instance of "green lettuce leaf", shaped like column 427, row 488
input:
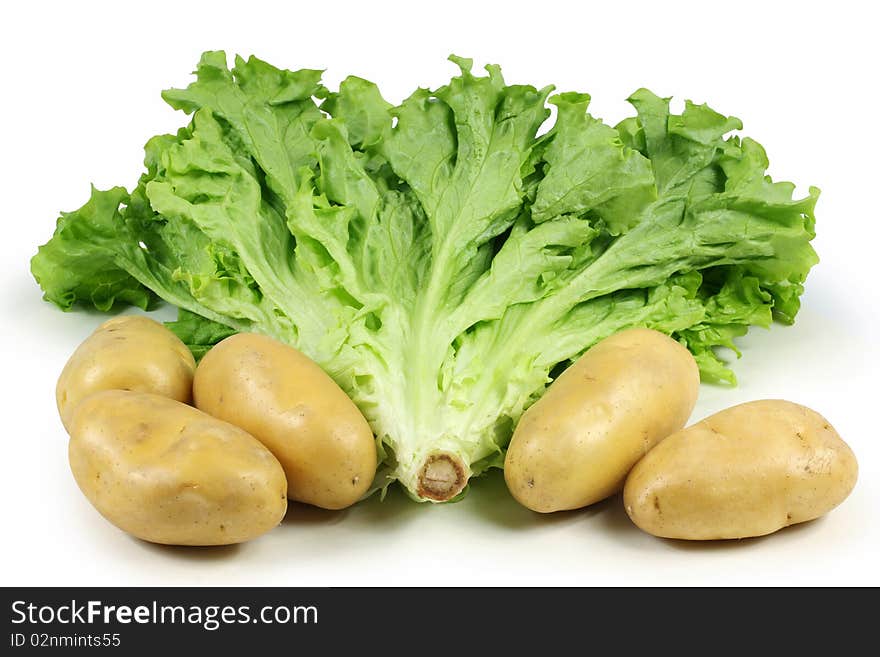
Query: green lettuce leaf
column 75, row 267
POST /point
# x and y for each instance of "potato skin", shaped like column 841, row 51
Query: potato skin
column 746, row 471
column 169, row 473
column 577, row 443
column 130, row 352
column 287, row 402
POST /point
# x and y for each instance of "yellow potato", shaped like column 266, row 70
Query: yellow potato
column 169, row 473
column 577, row 443
column 131, row 352
column 747, row 471
column 289, row 404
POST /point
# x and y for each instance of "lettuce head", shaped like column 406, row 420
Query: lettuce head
column 445, row 258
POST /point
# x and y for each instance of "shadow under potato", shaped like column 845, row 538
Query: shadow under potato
column 490, row 498
column 191, row 552
column 396, row 507
column 306, row 514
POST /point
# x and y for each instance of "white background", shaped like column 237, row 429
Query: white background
column 80, row 96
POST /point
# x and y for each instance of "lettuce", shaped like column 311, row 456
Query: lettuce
column 439, row 259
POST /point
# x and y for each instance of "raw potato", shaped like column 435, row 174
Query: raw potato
column 168, row 473
column 577, row 443
column 288, row 403
column 131, row 352
column 746, row 471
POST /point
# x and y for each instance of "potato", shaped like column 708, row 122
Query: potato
column 289, row 404
column 577, row 443
column 746, row 471
column 169, row 473
column 132, row 352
